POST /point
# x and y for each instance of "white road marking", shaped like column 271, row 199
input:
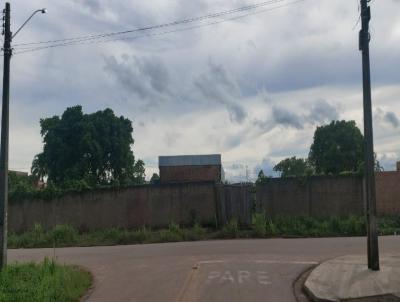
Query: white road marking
column 263, row 278
column 284, row 262
column 261, row 261
column 211, row 261
column 227, row 276
column 243, row 275
column 240, row 277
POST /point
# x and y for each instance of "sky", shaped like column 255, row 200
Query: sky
column 252, row 88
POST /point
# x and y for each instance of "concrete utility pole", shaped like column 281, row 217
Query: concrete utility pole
column 7, row 49
column 4, row 137
column 370, row 196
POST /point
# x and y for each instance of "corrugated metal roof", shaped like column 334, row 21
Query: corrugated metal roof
column 190, row 160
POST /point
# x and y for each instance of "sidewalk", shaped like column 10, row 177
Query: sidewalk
column 347, row 278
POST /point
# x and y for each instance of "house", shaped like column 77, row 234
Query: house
column 191, row 168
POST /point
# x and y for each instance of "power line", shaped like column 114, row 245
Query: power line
column 146, row 28
column 103, row 39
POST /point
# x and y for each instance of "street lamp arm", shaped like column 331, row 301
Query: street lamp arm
column 43, row 11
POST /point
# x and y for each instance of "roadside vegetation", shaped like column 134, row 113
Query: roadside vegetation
column 43, row 282
column 66, row 235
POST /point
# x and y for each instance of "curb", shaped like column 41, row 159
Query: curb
column 298, row 286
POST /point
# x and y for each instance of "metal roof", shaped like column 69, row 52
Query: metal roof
column 190, row 160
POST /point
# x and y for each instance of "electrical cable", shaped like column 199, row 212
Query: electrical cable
column 104, row 40
column 174, row 23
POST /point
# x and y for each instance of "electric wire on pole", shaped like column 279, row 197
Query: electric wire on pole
column 8, row 51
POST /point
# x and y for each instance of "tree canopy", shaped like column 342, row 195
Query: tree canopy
column 155, row 179
column 337, row 147
column 95, row 148
column 262, row 179
column 293, row 167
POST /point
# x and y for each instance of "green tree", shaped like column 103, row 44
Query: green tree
column 18, row 181
column 336, row 148
column 262, row 179
column 293, row 167
column 155, row 179
column 93, row 148
column 39, row 167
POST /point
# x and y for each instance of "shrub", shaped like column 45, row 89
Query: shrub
column 231, row 229
column 173, row 227
column 168, row 236
column 64, row 234
column 259, row 225
column 271, row 228
column 197, row 232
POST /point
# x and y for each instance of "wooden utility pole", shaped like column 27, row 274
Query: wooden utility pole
column 369, row 178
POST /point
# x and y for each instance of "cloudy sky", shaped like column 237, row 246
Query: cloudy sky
column 252, row 88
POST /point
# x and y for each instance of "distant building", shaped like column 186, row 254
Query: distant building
column 19, row 173
column 191, row 168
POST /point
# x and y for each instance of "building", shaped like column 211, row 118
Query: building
column 191, row 168
column 19, row 173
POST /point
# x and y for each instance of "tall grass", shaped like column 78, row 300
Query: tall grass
column 262, row 227
column 43, row 282
column 304, row 226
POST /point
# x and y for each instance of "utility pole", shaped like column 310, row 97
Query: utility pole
column 4, row 136
column 370, row 195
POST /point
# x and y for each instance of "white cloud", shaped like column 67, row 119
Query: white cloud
column 228, row 88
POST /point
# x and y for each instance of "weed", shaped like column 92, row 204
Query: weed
column 64, row 234
column 231, row 229
column 43, row 282
column 259, row 225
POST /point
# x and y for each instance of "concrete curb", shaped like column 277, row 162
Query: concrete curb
column 298, row 286
column 347, row 278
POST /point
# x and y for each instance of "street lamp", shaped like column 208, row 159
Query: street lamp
column 8, row 36
column 43, row 11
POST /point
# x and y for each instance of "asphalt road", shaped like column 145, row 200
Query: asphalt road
column 230, row 270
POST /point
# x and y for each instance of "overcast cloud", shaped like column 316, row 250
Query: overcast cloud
column 253, row 89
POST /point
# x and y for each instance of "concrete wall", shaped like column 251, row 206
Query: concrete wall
column 157, row 205
column 388, row 193
column 234, row 202
column 317, row 196
column 175, row 174
column 133, row 207
column 327, row 195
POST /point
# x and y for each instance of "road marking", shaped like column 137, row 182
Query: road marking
column 240, row 277
column 227, row 276
column 189, row 288
column 243, row 275
column 261, row 261
column 263, row 278
column 211, row 262
column 187, row 293
column 284, row 262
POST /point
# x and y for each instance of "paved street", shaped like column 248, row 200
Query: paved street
column 231, row 270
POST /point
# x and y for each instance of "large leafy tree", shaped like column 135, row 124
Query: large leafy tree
column 337, row 147
column 293, row 167
column 155, row 179
column 262, row 178
column 95, row 148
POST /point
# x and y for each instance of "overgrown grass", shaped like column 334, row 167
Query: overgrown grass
column 65, row 235
column 43, row 282
column 230, row 230
column 304, row 226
